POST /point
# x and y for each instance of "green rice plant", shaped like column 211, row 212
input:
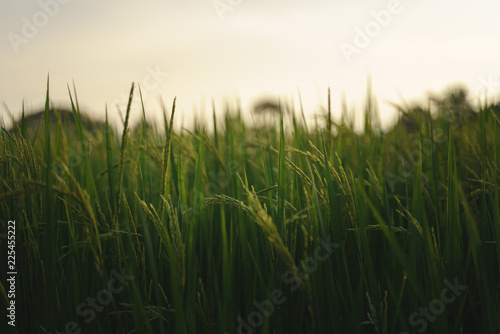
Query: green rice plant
column 284, row 228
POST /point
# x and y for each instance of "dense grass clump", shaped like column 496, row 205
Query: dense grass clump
column 281, row 228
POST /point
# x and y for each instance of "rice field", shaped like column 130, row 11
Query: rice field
column 289, row 227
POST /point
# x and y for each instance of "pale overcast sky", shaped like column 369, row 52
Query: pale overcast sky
column 246, row 47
